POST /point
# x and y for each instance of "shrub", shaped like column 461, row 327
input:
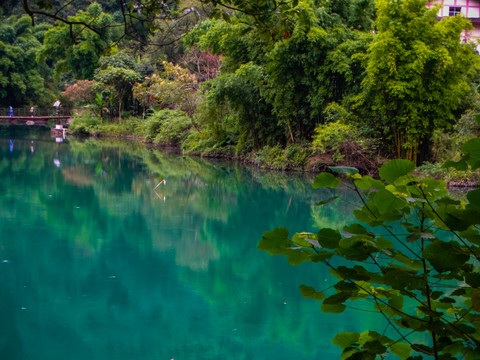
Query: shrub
column 450, row 175
column 273, row 157
column 128, row 126
column 84, row 124
column 197, row 141
column 332, row 134
column 446, row 145
column 167, row 126
column 298, row 156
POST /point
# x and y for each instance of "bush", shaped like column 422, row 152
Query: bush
column 273, row 157
column 298, row 156
column 84, row 124
column 332, row 134
column 167, row 127
column 446, row 145
column 197, row 141
column 450, row 175
column 128, row 126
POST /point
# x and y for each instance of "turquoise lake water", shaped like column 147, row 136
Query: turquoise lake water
column 96, row 264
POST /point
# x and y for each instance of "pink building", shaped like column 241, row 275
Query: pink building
column 469, row 8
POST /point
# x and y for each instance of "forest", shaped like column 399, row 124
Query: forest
column 300, row 84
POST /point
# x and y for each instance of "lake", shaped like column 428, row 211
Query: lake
column 98, row 264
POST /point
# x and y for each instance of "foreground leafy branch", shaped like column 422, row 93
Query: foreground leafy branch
column 413, row 256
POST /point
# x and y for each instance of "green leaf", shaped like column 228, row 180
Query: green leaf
column 445, row 256
column 275, row 241
column 474, row 199
column 472, row 147
column 310, row 292
column 344, row 170
column 329, row 238
column 321, row 256
column 299, row 239
column 356, row 229
column 326, row 180
column 296, row 256
column 423, row 349
column 460, row 165
column 459, row 292
column 405, row 260
column 386, row 201
column 471, row 235
column 333, row 308
column 338, row 298
column 345, row 286
column 374, row 347
column 473, row 279
column 367, row 183
column 402, row 350
column 384, row 244
column 394, row 169
column 345, row 339
column 447, row 300
column 324, row 202
column 396, row 301
column 434, row 188
column 402, row 279
column 358, row 273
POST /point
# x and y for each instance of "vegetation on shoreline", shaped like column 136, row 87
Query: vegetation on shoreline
column 306, row 85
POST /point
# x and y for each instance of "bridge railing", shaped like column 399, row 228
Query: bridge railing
column 62, row 111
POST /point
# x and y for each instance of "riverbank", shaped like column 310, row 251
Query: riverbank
column 298, row 159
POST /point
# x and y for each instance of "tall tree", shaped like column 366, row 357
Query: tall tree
column 418, row 74
column 21, row 75
column 77, row 48
column 117, row 72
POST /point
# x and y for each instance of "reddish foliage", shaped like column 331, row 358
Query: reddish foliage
column 80, row 92
column 204, row 65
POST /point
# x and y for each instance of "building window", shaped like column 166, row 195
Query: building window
column 454, row 10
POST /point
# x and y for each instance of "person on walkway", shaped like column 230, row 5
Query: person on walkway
column 31, row 111
column 10, row 113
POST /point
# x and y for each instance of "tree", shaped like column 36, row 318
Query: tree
column 118, row 73
column 418, row 74
column 413, row 256
column 21, row 75
column 80, row 92
column 134, row 19
column 175, row 87
column 314, row 66
column 76, row 48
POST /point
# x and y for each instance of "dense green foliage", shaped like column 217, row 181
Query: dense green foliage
column 418, row 73
column 255, row 74
column 412, row 254
column 22, row 77
column 77, row 49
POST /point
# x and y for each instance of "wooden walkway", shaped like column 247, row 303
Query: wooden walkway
column 34, row 120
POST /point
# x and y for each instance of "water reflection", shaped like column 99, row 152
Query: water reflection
column 96, row 265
